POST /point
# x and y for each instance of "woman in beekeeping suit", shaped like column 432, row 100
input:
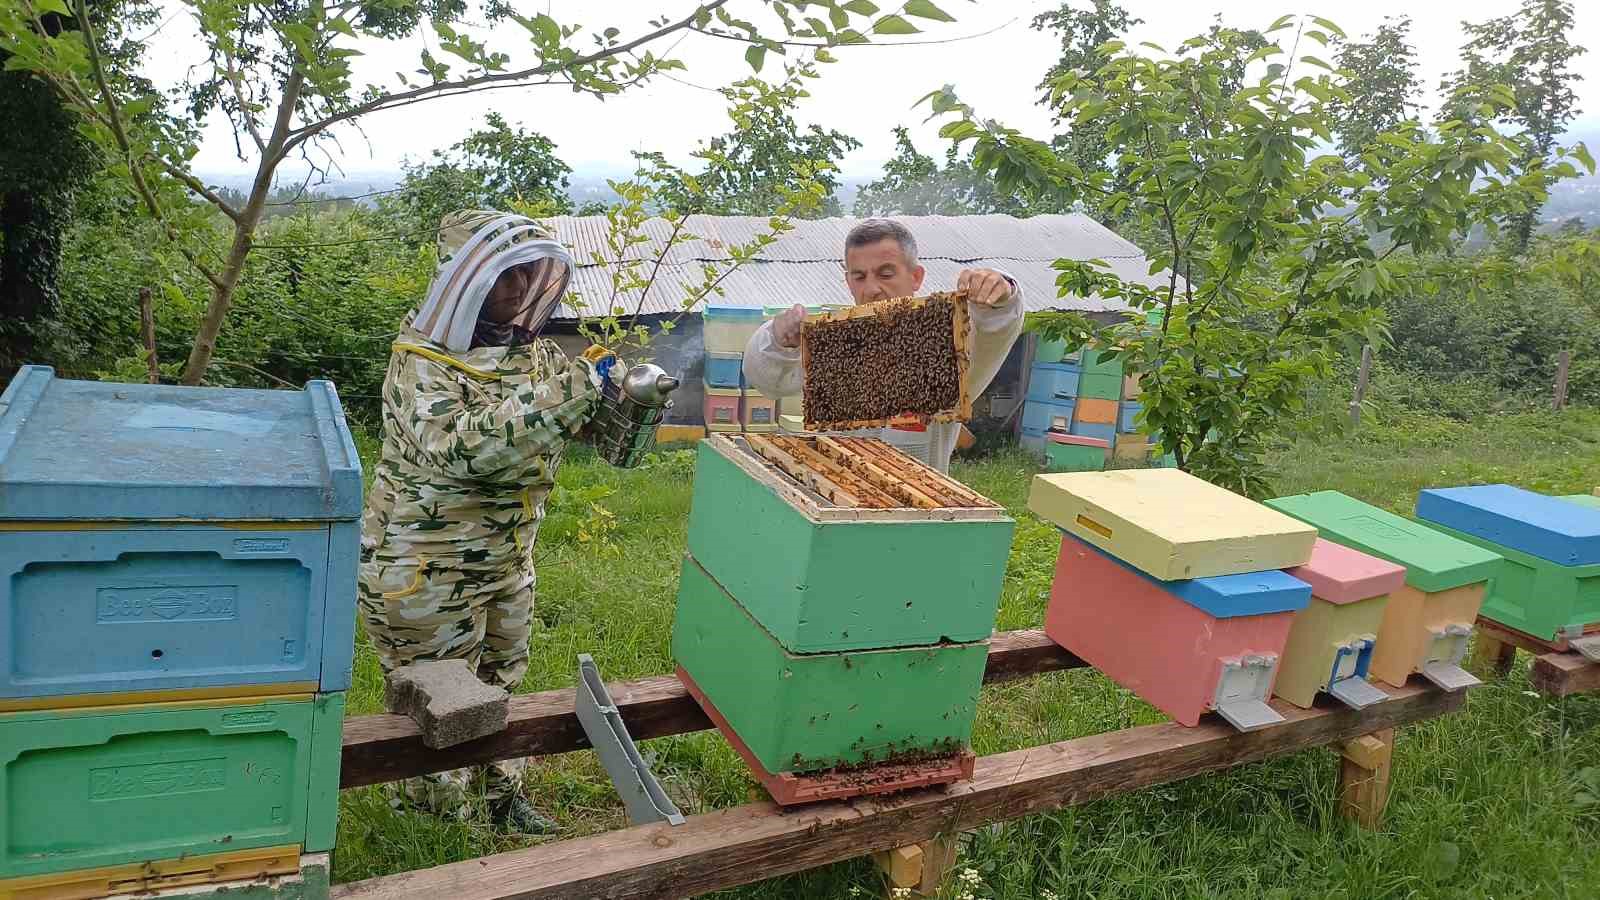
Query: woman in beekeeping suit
column 477, row 411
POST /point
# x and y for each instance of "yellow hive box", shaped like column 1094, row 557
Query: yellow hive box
column 1170, row 524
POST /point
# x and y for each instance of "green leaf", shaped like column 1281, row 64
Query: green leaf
column 755, row 55
column 1308, row 58
column 547, row 29
column 1329, row 25
column 923, row 9
column 862, row 7
column 894, row 25
column 1581, row 152
column 1281, row 24
column 53, row 6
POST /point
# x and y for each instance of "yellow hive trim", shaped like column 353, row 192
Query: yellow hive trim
column 293, row 690
column 88, row 884
column 163, row 700
column 1171, row 524
column 119, row 524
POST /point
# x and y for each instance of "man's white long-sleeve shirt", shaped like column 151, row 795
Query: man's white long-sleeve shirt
column 775, row 371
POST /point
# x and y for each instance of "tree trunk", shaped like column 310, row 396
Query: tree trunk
column 244, row 233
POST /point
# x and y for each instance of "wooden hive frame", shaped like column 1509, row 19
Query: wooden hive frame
column 960, row 329
column 853, row 479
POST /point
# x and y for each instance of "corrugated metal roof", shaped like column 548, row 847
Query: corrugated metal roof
column 805, row 265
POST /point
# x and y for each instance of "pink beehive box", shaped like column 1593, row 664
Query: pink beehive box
column 1186, row 647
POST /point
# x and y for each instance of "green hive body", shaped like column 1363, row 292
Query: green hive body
column 108, row 786
column 879, row 580
column 1536, row 596
column 804, row 712
column 833, row 636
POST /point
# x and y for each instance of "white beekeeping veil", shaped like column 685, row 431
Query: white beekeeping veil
column 475, row 247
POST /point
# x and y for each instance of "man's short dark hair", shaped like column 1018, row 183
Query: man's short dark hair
column 871, row 231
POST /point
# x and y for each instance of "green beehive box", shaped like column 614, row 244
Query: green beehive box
column 823, row 578
column 1536, row 596
column 1096, row 363
column 1100, row 385
column 105, row 787
column 807, row 712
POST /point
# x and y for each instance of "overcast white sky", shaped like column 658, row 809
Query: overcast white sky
column 868, row 92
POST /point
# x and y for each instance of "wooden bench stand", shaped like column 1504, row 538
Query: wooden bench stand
column 760, row 840
column 1555, row 673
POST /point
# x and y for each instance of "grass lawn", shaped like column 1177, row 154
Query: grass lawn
column 1500, row 801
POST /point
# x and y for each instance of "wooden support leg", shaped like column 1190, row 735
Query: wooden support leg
column 1364, row 777
column 1492, row 656
column 919, row 868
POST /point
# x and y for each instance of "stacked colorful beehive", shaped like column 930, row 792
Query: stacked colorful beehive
column 1547, row 585
column 1173, row 588
column 1081, row 410
column 177, row 575
column 1426, row 623
column 840, row 649
column 730, row 403
column 726, row 330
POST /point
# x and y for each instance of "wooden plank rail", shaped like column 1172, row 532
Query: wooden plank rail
column 388, row 748
column 760, row 840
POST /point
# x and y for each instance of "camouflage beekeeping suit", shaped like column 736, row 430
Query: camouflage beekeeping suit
column 472, row 439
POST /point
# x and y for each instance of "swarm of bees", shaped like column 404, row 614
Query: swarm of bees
column 887, row 362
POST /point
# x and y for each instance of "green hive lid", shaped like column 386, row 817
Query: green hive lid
column 1434, row 561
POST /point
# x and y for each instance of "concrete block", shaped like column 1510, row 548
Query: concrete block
column 447, row 701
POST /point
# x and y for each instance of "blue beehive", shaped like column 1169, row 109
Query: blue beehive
column 201, row 541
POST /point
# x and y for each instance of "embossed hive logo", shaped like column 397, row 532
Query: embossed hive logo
column 199, row 603
column 169, row 606
column 157, row 779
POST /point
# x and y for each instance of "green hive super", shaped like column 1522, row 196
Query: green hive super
column 202, row 542
column 823, row 636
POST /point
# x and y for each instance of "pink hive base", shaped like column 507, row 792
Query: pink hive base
column 1145, row 639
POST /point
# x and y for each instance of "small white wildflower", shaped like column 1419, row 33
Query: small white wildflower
column 899, row 893
column 855, row 890
column 1048, row 894
column 970, row 877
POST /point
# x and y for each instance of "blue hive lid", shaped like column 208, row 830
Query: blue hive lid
column 1550, row 528
column 75, row 450
column 1226, row 596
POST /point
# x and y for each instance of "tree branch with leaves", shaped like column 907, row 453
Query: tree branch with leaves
column 283, row 75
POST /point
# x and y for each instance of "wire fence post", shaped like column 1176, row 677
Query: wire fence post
column 1563, row 362
column 1362, row 376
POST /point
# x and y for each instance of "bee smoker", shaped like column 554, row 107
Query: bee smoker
column 625, row 423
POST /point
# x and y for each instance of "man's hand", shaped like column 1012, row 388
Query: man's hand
column 985, row 287
column 786, row 326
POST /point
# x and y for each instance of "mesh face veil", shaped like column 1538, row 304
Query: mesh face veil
column 475, row 248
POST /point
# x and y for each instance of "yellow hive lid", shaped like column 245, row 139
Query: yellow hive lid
column 1170, row 524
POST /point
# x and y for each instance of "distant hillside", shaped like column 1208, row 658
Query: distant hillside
column 1577, row 198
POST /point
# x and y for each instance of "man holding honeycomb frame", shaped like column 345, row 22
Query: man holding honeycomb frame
column 880, row 261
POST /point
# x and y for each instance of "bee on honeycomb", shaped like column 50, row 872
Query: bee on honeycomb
column 889, row 360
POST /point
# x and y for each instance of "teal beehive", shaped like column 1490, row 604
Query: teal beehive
column 201, row 541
